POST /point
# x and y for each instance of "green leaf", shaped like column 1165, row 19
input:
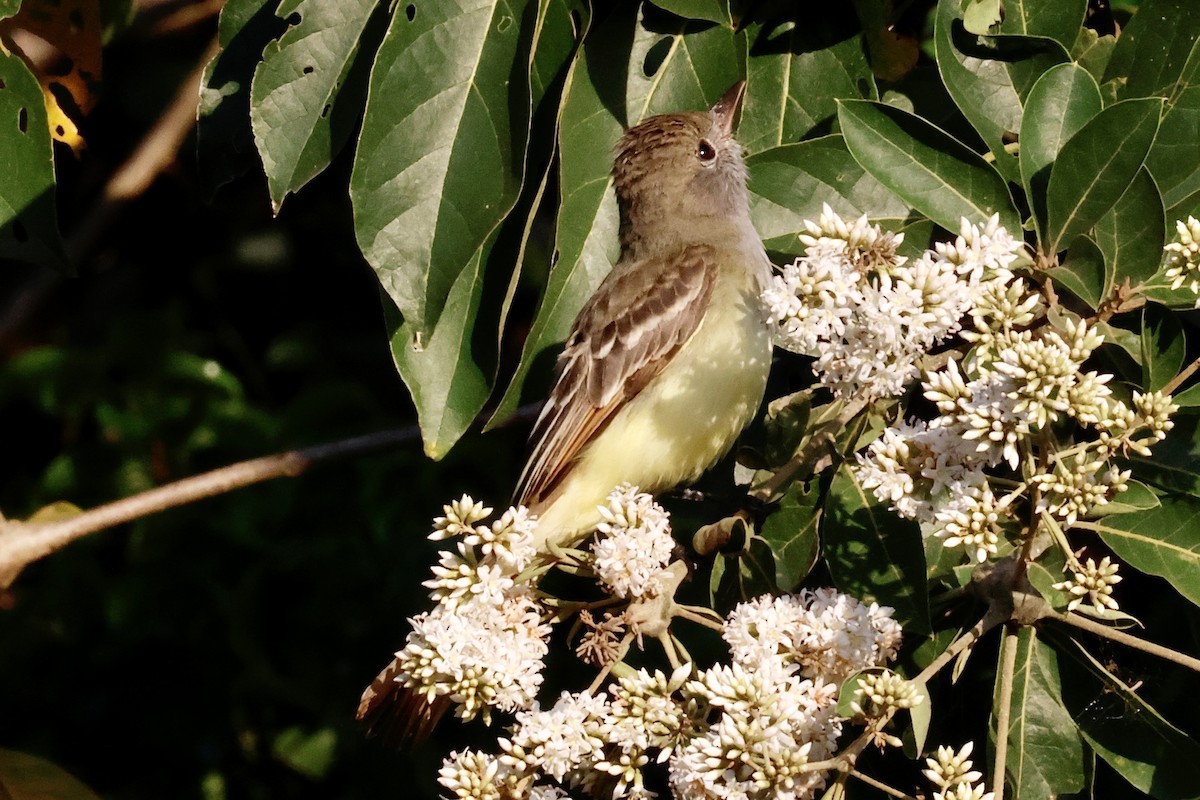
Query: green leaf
column 1137, row 497
column 1095, row 167
column 311, row 755
column 789, row 184
column 711, row 10
column 1174, row 160
column 1082, row 272
column 990, row 78
column 1163, row 347
column 1126, row 732
column 792, row 532
column 874, row 554
column 28, row 217
column 1163, row 541
column 438, row 161
column 921, row 715
column 1155, row 54
column 1045, row 751
column 935, row 173
column 1175, row 463
column 224, row 140
column 1188, row 398
column 27, row 777
column 1062, row 101
column 1059, row 20
column 296, row 85
column 447, row 386
column 795, row 75
column 980, row 16
column 1131, row 234
column 1092, row 51
column 687, row 67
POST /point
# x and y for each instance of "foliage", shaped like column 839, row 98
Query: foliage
column 477, row 137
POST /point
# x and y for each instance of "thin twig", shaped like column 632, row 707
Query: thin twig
column 1007, row 668
column 1085, row 624
column 883, row 787
column 1178, row 380
column 153, row 155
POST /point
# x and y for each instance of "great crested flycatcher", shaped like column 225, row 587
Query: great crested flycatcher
column 666, row 363
column 668, row 360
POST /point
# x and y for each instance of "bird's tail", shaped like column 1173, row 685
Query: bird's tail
column 396, row 713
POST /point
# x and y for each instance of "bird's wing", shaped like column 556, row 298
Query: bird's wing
column 637, row 320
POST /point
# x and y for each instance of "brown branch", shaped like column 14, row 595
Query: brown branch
column 1112, row 634
column 153, row 155
column 22, row 543
column 1178, row 380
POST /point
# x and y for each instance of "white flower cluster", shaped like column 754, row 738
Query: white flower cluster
column 634, row 545
column 1092, row 582
column 748, row 729
column 482, row 645
column 1183, row 257
column 1014, row 386
column 868, row 315
column 953, row 776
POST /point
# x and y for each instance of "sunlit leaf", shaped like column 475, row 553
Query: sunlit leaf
column 1095, row 167
column 296, row 85
column 938, row 175
column 28, row 218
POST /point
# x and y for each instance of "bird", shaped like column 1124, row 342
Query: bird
column 665, row 364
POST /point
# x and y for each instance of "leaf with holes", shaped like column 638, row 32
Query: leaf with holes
column 674, row 65
column 1095, row 167
column 795, row 74
column 28, row 218
column 224, row 139
column 938, row 175
column 438, row 165
column 1046, row 756
column 1062, row 101
column 990, row 78
column 792, row 533
column 874, row 554
column 302, row 74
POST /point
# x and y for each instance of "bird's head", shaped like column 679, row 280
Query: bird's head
column 676, row 171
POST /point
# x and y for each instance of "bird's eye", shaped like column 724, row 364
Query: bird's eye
column 706, row 152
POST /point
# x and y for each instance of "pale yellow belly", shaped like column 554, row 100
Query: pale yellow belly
column 682, row 422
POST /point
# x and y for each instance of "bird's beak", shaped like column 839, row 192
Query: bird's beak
column 726, row 109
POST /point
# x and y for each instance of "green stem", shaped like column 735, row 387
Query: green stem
column 1007, row 669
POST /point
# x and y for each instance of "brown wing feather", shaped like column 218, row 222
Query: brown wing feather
column 637, row 320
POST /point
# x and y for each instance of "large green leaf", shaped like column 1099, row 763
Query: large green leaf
column 989, row 78
column 874, row 554
column 1055, row 19
column 710, row 10
column 438, row 164
column 1062, row 101
column 1132, row 233
column 796, row 72
column 934, row 172
column 1156, row 53
column 28, row 218
column 789, row 184
column 1082, row 272
column 224, row 140
column 1174, row 160
column 1129, row 734
column 296, row 85
column 27, row 777
column 1163, row 541
column 1045, row 752
column 673, row 65
column 1095, row 167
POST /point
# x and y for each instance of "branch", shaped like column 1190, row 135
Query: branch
column 1178, row 380
column 21, row 543
column 1007, row 668
column 1112, row 634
